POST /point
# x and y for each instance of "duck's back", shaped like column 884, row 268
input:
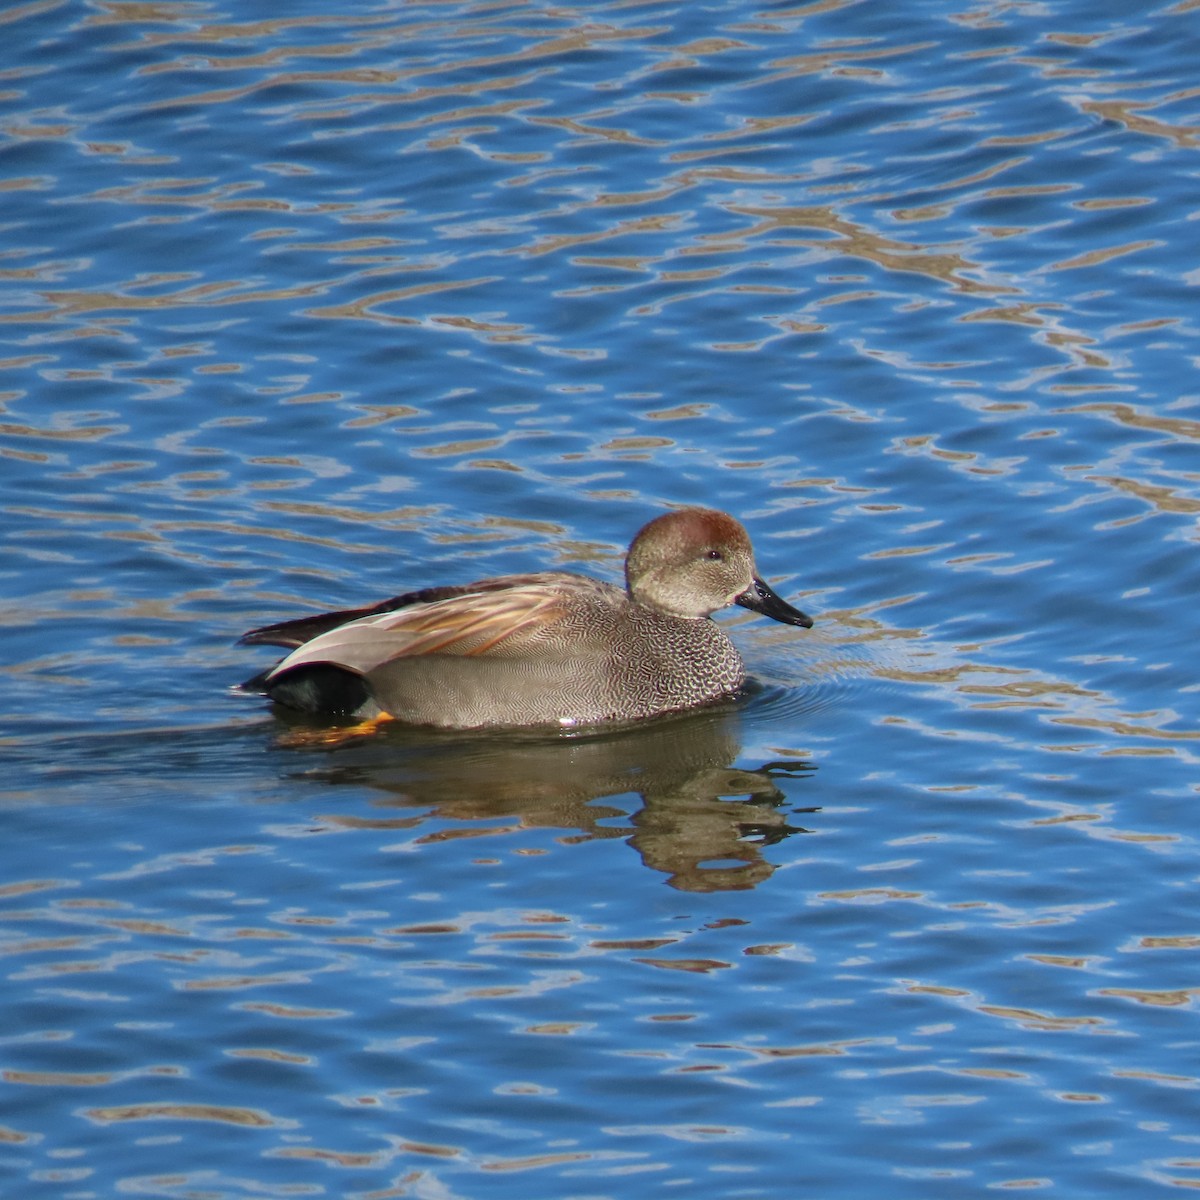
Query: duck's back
column 544, row 649
column 593, row 655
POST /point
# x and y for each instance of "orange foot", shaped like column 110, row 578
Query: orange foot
column 333, row 739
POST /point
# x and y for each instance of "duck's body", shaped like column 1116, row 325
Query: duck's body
column 545, row 649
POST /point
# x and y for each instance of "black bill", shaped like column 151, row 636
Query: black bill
column 759, row 598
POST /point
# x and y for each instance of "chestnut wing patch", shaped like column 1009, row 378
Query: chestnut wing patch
column 470, row 624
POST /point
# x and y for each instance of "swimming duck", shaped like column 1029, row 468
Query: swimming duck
column 551, row 648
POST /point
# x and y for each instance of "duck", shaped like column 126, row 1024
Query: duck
column 551, row 648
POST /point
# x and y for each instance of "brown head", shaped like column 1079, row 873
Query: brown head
column 694, row 561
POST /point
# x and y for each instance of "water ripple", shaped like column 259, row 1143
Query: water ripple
column 308, row 309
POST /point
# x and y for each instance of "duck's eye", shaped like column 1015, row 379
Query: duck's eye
column 714, row 555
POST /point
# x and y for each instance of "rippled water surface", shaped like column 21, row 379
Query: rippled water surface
column 306, row 305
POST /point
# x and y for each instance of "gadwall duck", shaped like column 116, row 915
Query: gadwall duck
column 546, row 649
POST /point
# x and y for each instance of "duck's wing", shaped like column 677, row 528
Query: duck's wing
column 498, row 621
column 299, row 630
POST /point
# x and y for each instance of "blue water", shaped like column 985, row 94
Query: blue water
column 303, row 309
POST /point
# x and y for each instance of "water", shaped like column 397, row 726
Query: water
column 303, row 310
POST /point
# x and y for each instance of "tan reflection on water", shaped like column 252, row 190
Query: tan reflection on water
column 1097, row 257
column 857, row 241
column 703, row 822
column 1026, row 1018
column 909, row 656
column 1137, row 418
column 1170, row 998
column 370, row 32
column 1129, row 113
column 1127, row 729
column 58, row 1078
column 1164, row 499
column 1177, row 942
column 366, row 307
column 222, row 1114
column 205, row 295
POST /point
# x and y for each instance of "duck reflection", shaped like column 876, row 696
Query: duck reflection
column 702, row 821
